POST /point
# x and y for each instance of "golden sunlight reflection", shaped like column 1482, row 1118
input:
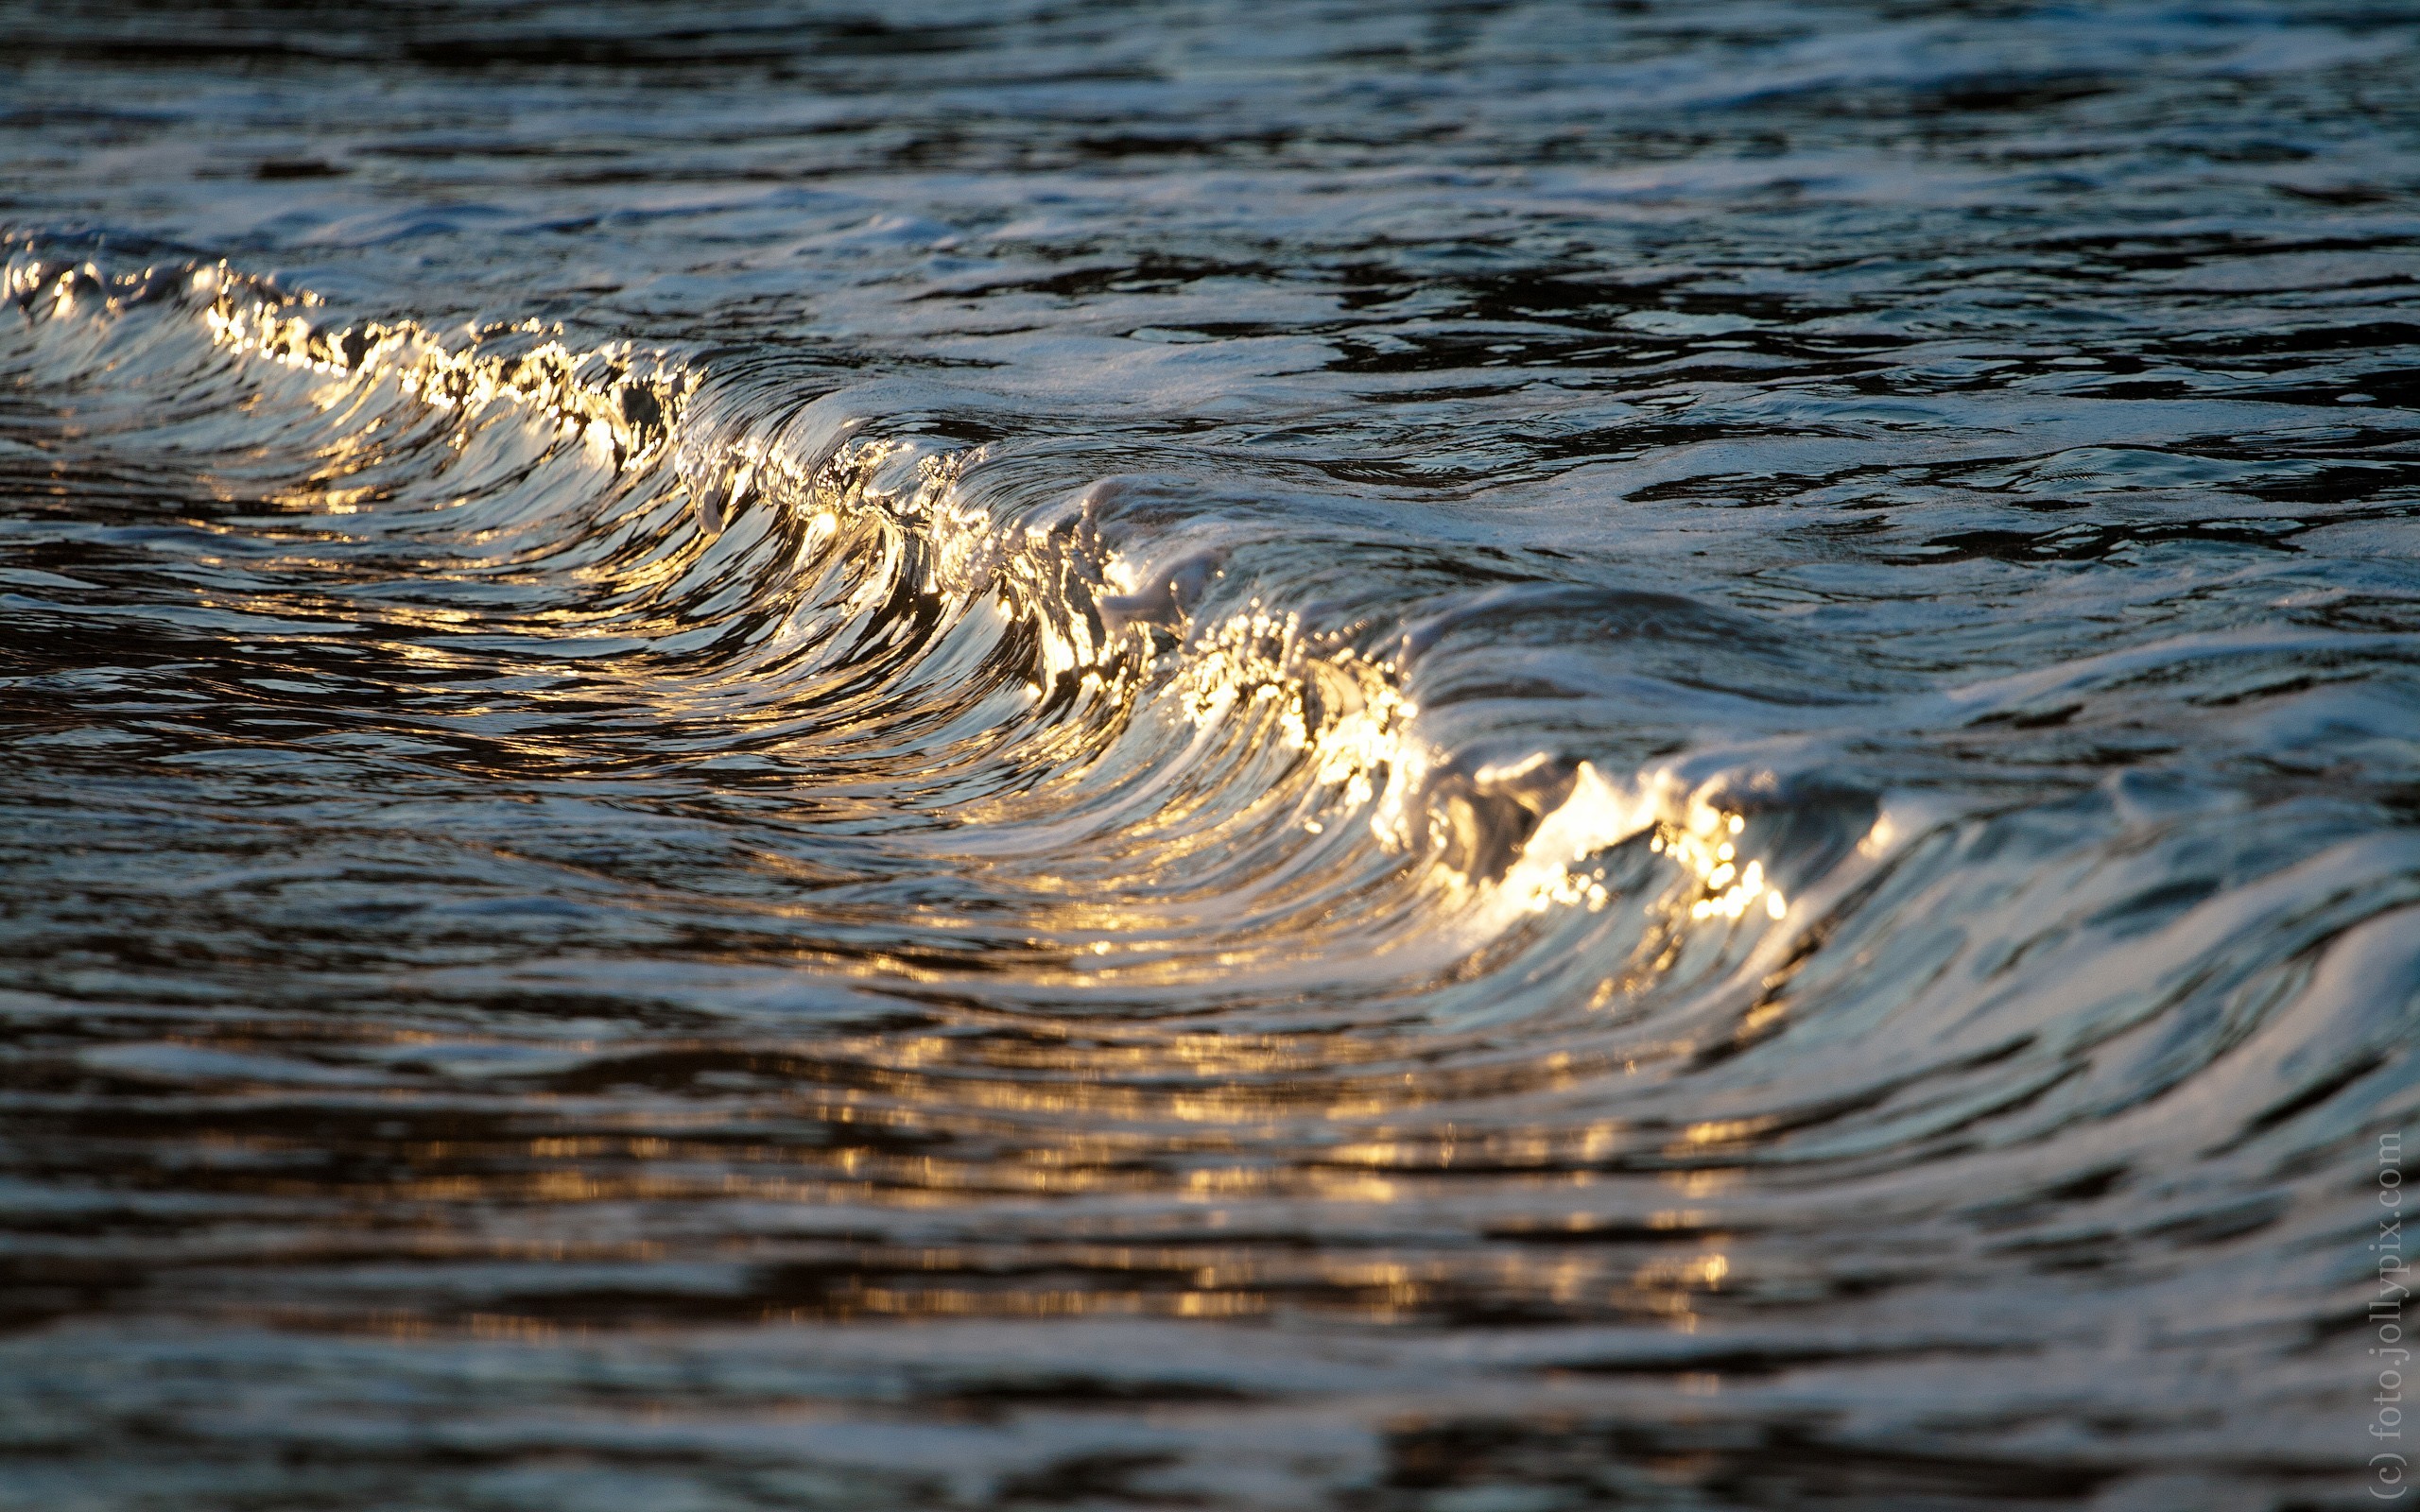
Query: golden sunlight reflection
column 1347, row 715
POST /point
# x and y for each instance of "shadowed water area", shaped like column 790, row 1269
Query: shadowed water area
column 1473, row 758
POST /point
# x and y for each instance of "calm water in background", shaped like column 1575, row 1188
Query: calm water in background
column 1474, row 759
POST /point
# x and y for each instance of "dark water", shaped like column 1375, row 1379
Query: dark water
column 1479, row 759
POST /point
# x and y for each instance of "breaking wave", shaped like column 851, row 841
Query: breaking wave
column 1160, row 891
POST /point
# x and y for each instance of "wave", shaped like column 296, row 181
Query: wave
column 1069, row 667
column 1229, row 839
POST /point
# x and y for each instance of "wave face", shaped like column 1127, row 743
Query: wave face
column 1403, row 760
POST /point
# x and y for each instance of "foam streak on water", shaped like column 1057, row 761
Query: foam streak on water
column 1411, row 759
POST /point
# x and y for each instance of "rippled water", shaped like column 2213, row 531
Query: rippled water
column 1476, row 759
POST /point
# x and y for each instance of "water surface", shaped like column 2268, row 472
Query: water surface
column 1453, row 759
